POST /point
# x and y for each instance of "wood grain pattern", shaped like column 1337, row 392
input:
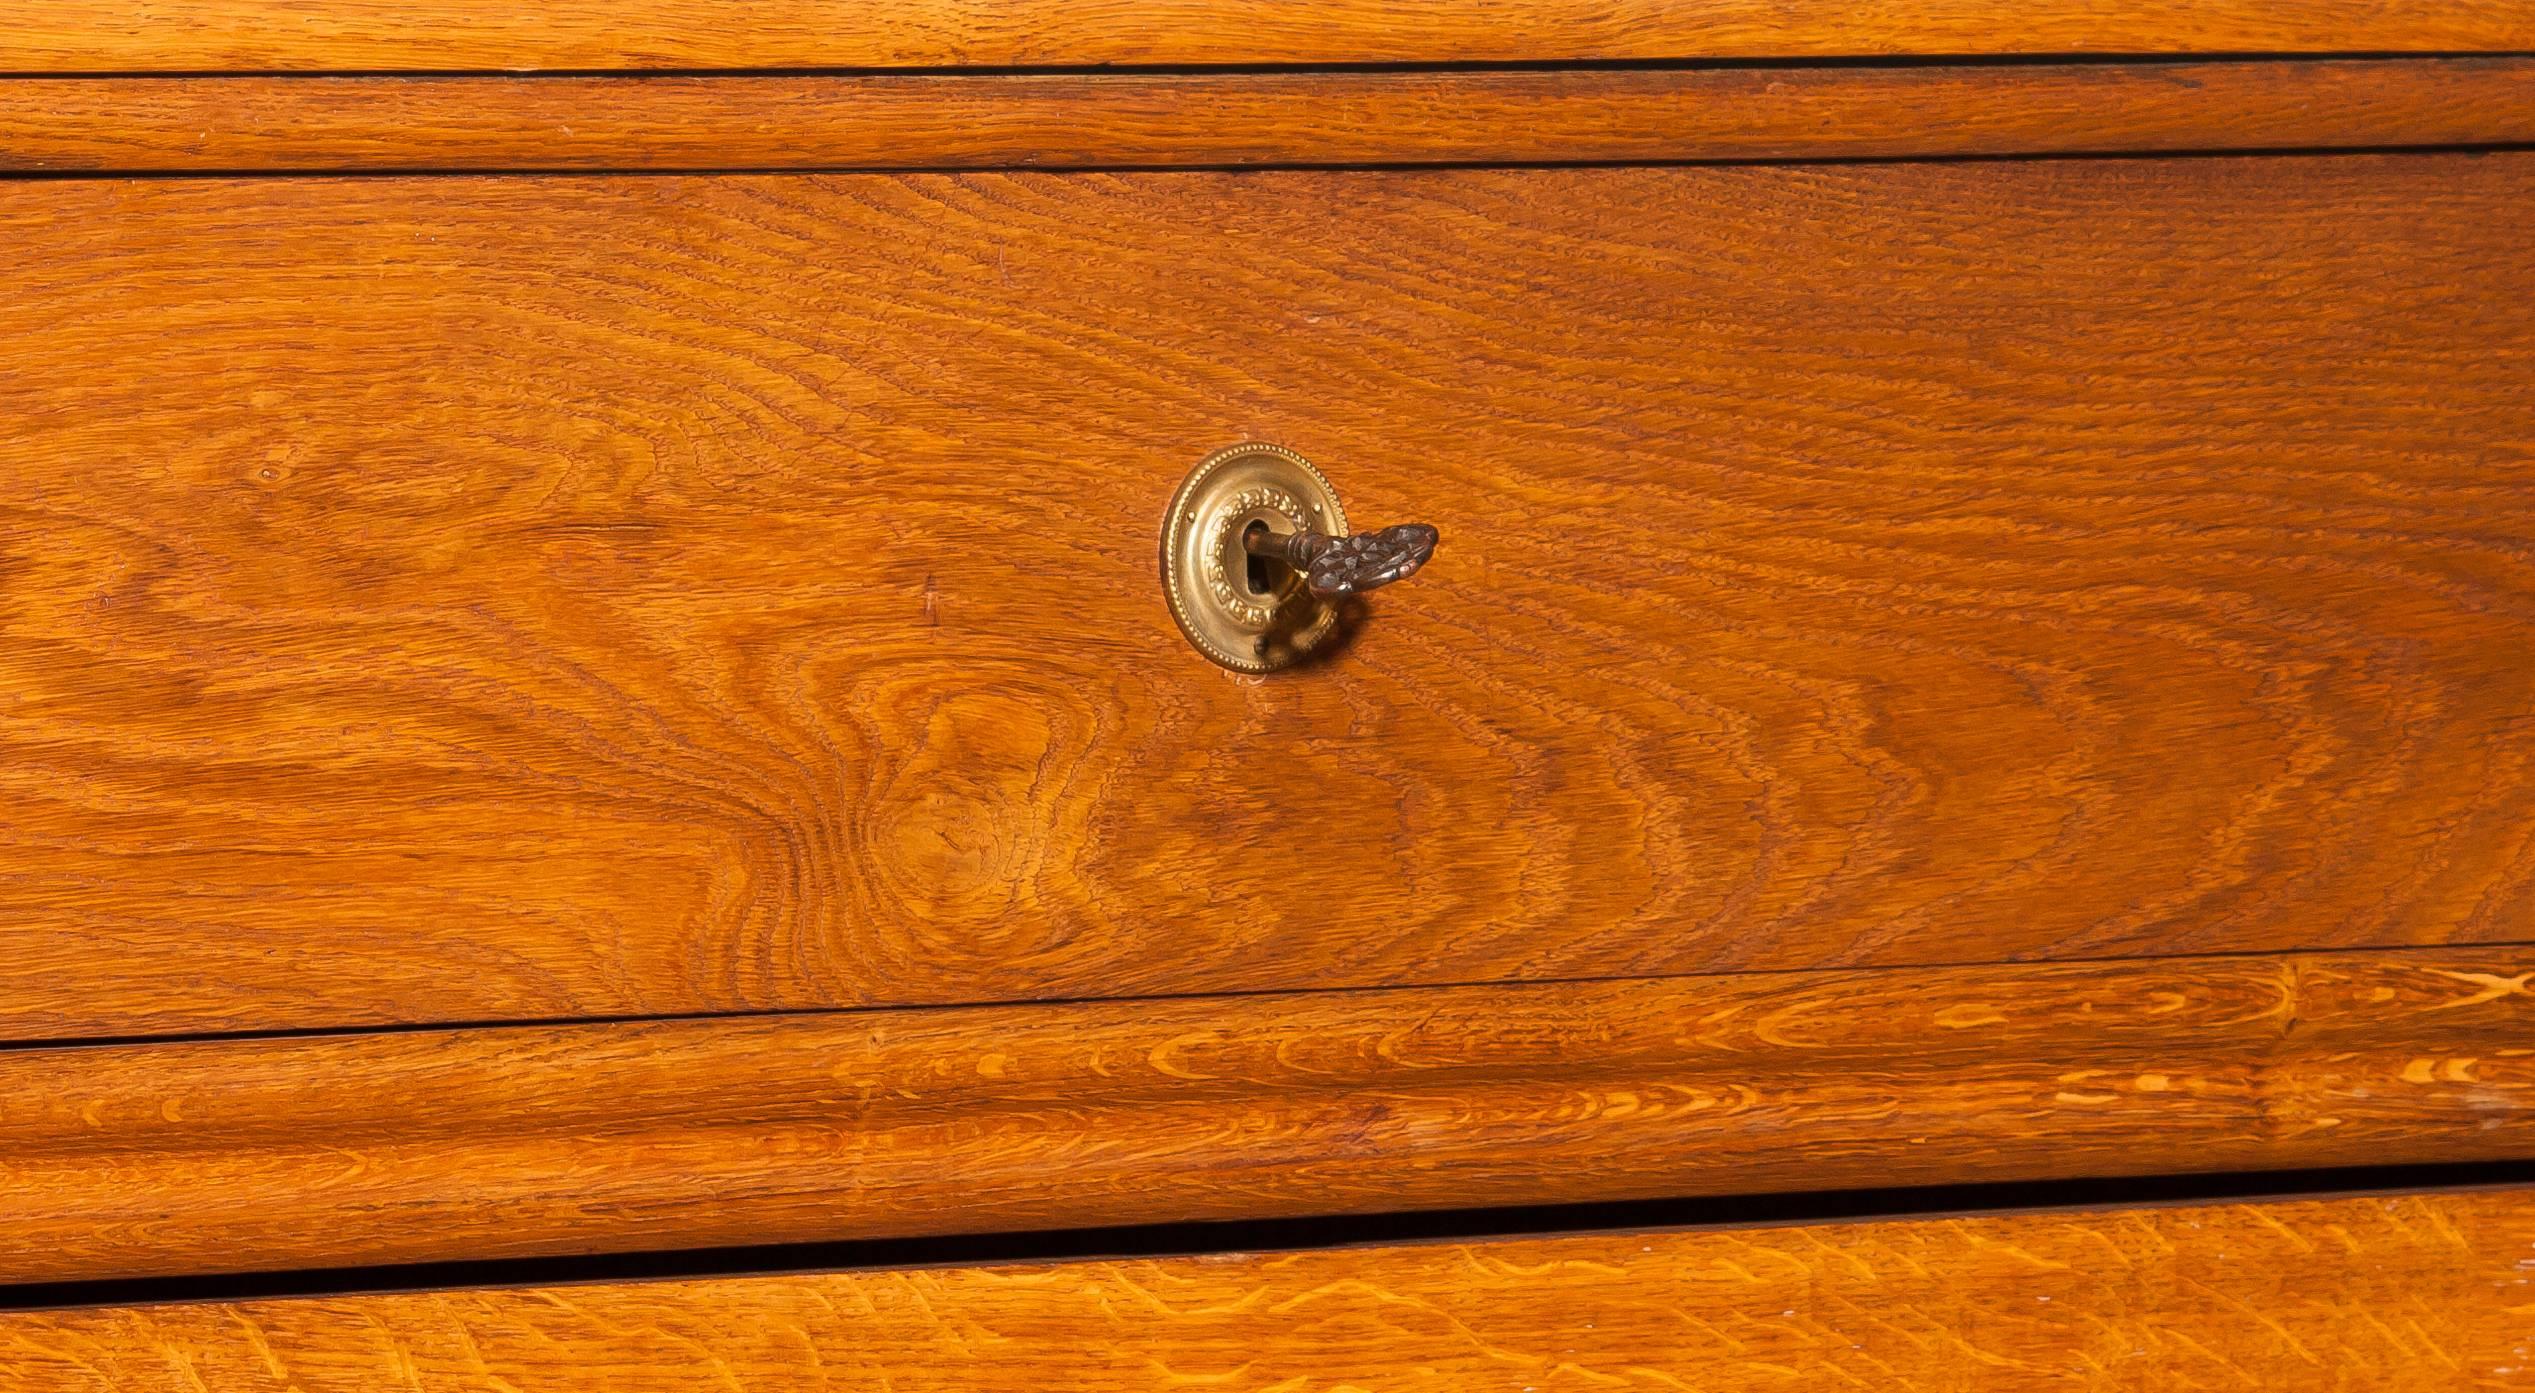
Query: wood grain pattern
column 250, row 35
column 935, row 122
column 262, row 1154
column 494, row 599
column 2430, row 1292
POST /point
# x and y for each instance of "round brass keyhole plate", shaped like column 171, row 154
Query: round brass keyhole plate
column 1207, row 574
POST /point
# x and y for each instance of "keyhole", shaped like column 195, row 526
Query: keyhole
column 1263, row 572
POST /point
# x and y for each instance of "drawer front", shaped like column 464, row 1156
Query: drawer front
column 2385, row 1294
column 504, row 598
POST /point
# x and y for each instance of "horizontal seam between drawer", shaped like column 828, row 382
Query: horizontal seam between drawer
column 2143, row 961
column 776, row 171
column 1269, row 1236
column 1553, row 65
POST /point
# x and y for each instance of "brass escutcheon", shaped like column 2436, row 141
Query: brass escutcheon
column 1207, row 572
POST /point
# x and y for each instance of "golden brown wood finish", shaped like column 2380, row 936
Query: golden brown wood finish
column 2428, row 1292
column 143, row 1160
column 935, row 122
column 481, row 599
column 215, row 35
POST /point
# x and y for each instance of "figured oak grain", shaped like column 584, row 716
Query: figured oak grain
column 152, row 1160
column 483, row 599
column 504, row 35
column 2418, row 1293
column 877, row 121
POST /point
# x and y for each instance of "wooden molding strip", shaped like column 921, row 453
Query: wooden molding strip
column 2421, row 1293
column 508, row 35
column 903, row 122
column 122, row 1161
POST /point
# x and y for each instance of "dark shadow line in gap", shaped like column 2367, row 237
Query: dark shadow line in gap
column 1281, row 1235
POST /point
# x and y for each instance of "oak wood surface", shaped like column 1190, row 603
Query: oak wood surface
column 249, row 35
column 145, row 1160
column 2433, row 1292
column 478, row 599
column 925, row 121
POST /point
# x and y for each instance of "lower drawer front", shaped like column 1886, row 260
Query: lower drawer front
column 2385, row 1294
column 497, row 599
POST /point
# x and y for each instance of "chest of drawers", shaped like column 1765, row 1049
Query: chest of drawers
column 610, row 646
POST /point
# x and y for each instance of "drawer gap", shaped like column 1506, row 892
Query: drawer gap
column 1285, row 1235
